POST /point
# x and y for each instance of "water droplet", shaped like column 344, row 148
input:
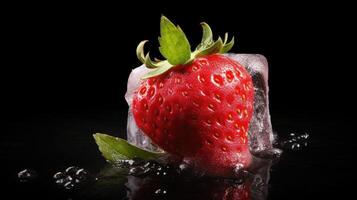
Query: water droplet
column 238, row 169
column 295, row 141
column 295, row 146
column 276, row 153
column 81, row 174
column 26, row 175
column 133, row 170
column 183, row 166
column 68, row 185
column 142, row 169
column 238, row 181
column 258, row 179
column 125, row 163
column 147, row 164
column 70, row 177
column 160, row 191
column 71, row 170
column 60, row 181
column 58, row 175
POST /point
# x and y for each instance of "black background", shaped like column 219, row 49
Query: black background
column 64, row 72
column 65, row 57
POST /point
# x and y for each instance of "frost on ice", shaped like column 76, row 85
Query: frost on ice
column 260, row 130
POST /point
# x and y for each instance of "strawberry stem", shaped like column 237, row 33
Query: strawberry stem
column 175, row 47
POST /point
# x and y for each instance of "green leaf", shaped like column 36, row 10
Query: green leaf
column 145, row 59
column 225, row 38
column 174, row 45
column 228, row 46
column 164, row 67
column 214, row 48
column 206, row 36
column 149, row 63
column 140, row 51
column 116, row 149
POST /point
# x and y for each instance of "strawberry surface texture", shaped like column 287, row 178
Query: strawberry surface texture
column 199, row 112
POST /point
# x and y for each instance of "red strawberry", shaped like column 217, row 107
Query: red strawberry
column 199, row 109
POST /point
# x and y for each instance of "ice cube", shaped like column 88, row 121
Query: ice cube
column 260, row 130
column 134, row 134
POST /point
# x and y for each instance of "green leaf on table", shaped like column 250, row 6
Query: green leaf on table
column 115, row 149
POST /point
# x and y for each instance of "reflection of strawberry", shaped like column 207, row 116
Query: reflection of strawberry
column 158, row 188
column 198, row 108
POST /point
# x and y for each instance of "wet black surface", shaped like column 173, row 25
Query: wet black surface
column 54, row 142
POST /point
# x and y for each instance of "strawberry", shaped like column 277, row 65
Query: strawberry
column 196, row 106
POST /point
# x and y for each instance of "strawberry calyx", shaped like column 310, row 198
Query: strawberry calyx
column 175, row 47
